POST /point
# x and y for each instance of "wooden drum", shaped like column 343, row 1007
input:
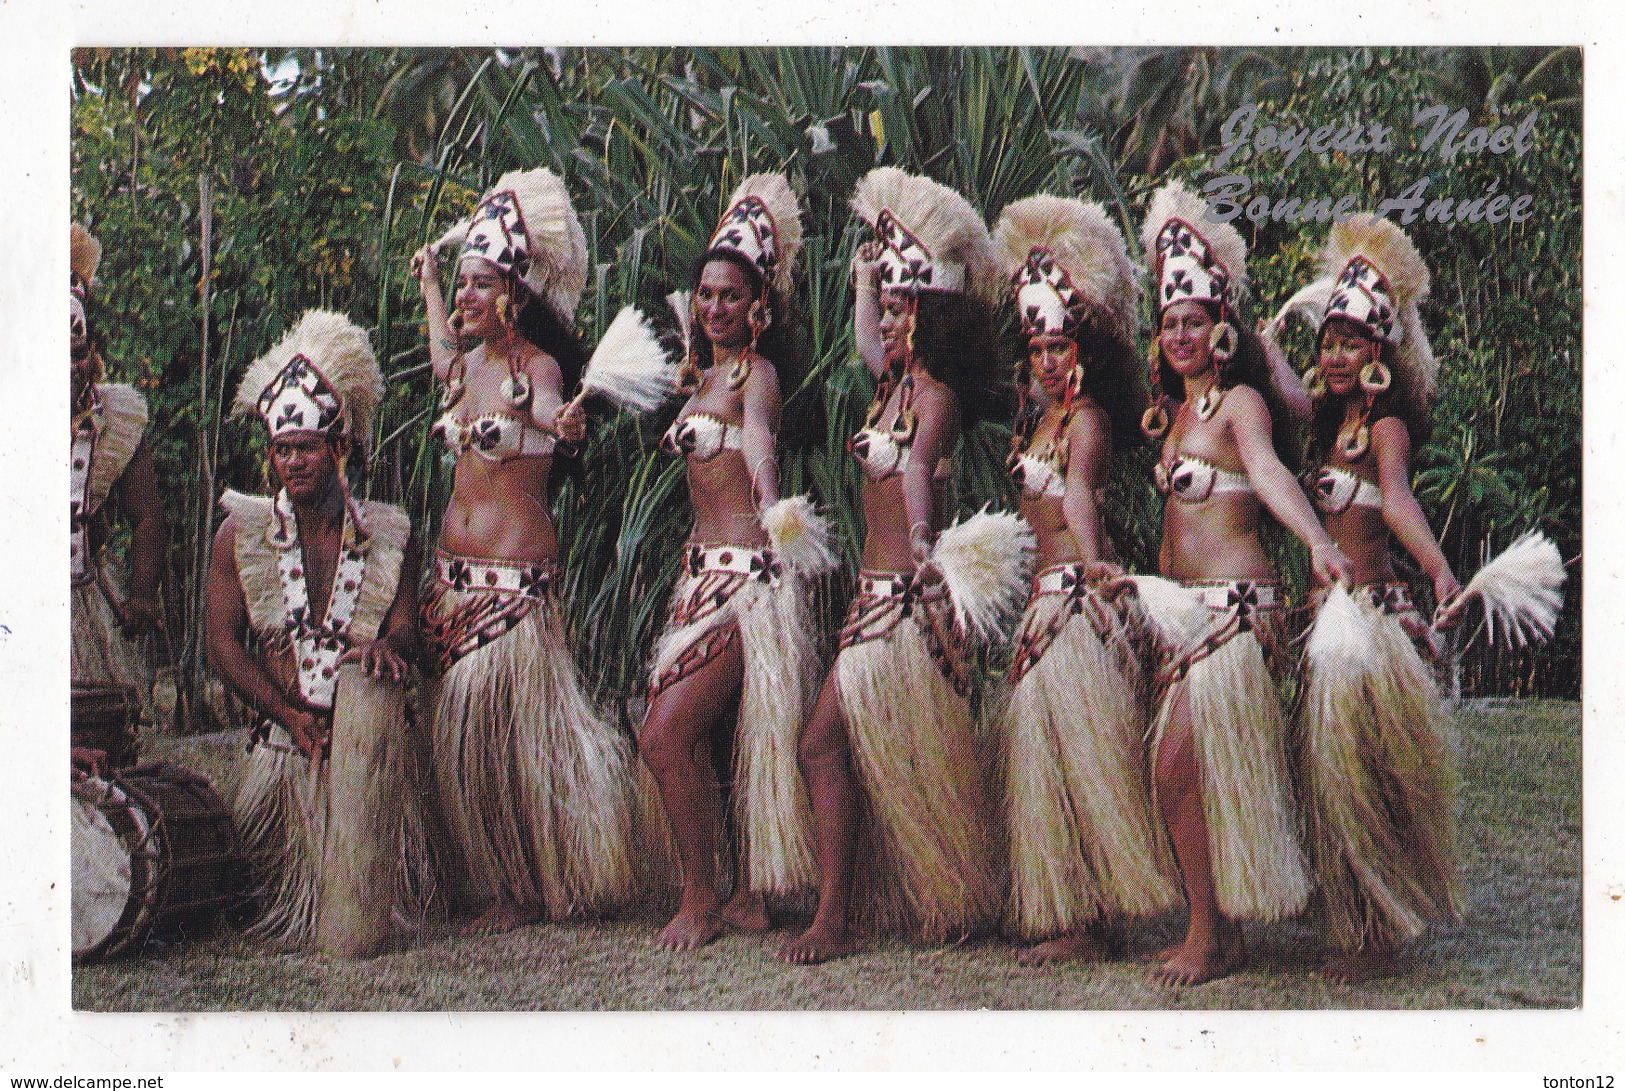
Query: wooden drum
column 104, row 717
column 154, row 853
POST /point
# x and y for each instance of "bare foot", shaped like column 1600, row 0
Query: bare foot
column 1353, row 967
column 696, row 924
column 818, row 944
column 502, row 915
column 746, row 911
column 1195, row 963
column 1164, row 954
column 1084, row 944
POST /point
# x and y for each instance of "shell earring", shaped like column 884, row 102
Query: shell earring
column 1375, row 378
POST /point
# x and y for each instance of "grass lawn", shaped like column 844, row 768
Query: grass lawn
column 1519, row 946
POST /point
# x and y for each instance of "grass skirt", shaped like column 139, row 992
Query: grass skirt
column 771, row 808
column 339, row 847
column 926, row 864
column 1240, row 745
column 101, row 653
column 534, row 783
column 1085, row 843
column 1377, row 766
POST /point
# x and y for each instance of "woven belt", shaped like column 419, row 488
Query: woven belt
column 1226, row 595
column 884, row 585
column 1390, row 598
column 1061, row 579
column 472, row 574
column 756, row 564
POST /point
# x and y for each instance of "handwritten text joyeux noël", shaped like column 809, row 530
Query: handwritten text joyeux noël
column 1441, row 131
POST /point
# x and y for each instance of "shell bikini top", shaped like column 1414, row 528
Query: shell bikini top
column 885, row 452
column 702, row 436
column 1335, row 490
column 1192, row 480
column 1038, row 476
column 495, row 437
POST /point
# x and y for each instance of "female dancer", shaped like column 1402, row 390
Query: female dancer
column 1376, row 763
column 894, row 705
column 1085, row 849
column 534, row 782
column 1220, row 775
column 738, row 641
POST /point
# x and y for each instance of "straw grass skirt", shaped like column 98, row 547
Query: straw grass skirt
column 534, row 782
column 1239, row 739
column 339, row 845
column 1378, row 770
column 1085, row 844
column 768, row 613
column 926, row 864
column 101, row 653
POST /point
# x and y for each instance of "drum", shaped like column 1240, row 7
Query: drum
column 104, row 717
column 154, row 853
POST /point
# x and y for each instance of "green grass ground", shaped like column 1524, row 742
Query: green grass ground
column 1519, row 946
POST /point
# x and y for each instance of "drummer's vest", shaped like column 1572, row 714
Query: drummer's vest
column 123, row 421
column 102, row 445
column 385, row 530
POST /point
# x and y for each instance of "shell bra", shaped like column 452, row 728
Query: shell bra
column 885, row 451
column 701, row 436
column 1334, row 490
column 495, row 437
column 1192, row 480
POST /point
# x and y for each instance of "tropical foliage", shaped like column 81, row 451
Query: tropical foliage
column 322, row 170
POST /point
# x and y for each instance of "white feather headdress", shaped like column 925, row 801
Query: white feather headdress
column 1206, row 261
column 763, row 225
column 1068, row 257
column 1372, row 273
column 526, row 225
column 933, row 239
column 337, row 392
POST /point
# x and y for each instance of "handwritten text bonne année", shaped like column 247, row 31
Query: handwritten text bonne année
column 1441, row 131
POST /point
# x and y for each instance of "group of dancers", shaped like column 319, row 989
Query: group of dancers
column 1141, row 755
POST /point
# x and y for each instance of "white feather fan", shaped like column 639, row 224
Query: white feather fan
column 984, row 561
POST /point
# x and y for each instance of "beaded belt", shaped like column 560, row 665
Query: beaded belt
column 1241, row 596
column 529, row 579
column 1038, row 632
column 504, row 594
column 715, row 575
column 1060, row 579
column 1390, row 598
column 1236, row 602
column 884, row 599
column 755, row 564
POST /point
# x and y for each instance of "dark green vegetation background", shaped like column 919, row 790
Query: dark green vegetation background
column 323, row 169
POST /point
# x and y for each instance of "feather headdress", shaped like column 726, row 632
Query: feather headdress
column 1372, row 275
column 525, row 225
column 763, row 226
column 932, row 239
column 321, row 377
column 1068, row 264
column 1192, row 258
